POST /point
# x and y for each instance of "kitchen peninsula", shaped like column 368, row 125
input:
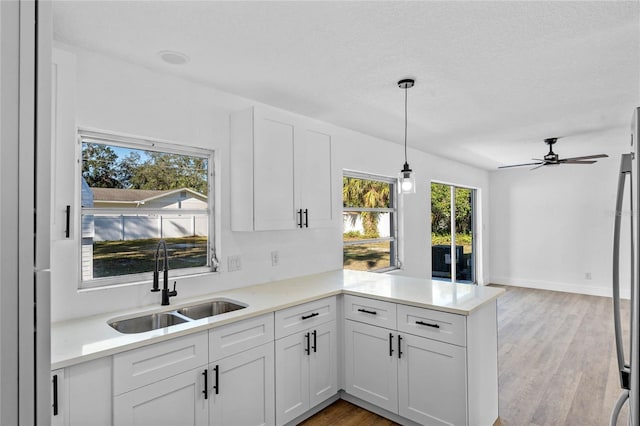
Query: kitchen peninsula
column 411, row 349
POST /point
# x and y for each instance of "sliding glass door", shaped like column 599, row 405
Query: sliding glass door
column 453, row 233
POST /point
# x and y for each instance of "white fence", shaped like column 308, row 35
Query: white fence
column 353, row 222
column 122, row 227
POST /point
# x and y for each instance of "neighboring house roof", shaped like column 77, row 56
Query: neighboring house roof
column 116, row 195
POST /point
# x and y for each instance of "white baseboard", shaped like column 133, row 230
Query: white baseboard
column 591, row 290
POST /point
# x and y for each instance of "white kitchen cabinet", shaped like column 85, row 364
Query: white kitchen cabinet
column 72, row 404
column 176, row 400
column 162, row 384
column 417, row 378
column 241, row 373
column 306, row 370
column 313, row 179
column 432, row 382
column 241, row 390
column 281, row 171
column 436, row 368
column 371, row 364
column 306, row 357
column 150, row 364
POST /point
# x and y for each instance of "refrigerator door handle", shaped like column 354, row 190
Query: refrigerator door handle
column 625, row 169
column 613, row 421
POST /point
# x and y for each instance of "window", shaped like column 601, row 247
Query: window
column 453, row 233
column 369, row 222
column 135, row 193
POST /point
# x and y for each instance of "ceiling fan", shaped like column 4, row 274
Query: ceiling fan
column 553, row 159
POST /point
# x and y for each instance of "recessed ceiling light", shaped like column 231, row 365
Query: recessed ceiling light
column 172, row 57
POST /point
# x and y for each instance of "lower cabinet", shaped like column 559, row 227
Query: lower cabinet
column 432, row 382
column 420, row 379
column 371, row 364
column 240, row 389
column 177, row 400
column 237, row 390
column 81, row 395
column 223, row 377
column 306, row 370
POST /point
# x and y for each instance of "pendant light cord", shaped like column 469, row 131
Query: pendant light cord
column 405, row 124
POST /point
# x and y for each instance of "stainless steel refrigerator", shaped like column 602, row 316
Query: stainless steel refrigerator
column 628, row 361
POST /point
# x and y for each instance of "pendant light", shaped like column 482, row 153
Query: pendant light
column 407, row 178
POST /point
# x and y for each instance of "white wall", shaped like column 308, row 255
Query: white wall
column 554, row 225
column 362, row 153
column 115, row 96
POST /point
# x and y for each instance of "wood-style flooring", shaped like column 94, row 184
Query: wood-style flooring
column 557, row 363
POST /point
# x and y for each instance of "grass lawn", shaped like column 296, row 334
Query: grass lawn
column 366, row 257
column 135, row 256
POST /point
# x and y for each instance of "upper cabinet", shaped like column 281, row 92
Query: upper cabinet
column 281, row 176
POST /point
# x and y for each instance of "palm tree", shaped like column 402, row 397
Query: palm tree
column 365, row 193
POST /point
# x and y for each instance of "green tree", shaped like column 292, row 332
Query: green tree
column 365, row 193
column 99, row 166
column 463, row 210
column 102, row 168
column 170, row 171
column 440, row 209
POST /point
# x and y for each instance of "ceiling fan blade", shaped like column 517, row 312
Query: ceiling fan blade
column 539, row 165
column 520, row 165
column 585, row 157
column 569, row 161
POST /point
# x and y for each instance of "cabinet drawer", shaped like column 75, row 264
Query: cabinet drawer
column 239, row 336
column 436, row 325
column 370, row 311
column 140, row 367
column 301, row 317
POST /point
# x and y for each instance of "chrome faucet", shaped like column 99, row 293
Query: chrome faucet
column 166, row 293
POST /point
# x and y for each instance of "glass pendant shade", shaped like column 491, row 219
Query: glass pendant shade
column 407, row 180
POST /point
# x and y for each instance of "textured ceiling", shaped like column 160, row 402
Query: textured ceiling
column 492, row 78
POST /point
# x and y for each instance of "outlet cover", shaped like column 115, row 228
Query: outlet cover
column 275, row 258
column 234, row 263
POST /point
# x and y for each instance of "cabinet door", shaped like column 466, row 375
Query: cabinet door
column 313, row 179
column 292, row 377
column 58, row 398
column 323, row 363
column 245, row 389
column 371, row 364
column 273, row 173
column 177, row 400
column 432, row 382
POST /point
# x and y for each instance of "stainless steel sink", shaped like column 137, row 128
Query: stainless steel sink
column 147, row 322
column 209, row 309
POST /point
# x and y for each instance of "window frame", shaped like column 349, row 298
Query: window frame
column 148, row 144
column 394, row 258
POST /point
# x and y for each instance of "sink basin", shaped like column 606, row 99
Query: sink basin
column 147, row 323
column 209, row 309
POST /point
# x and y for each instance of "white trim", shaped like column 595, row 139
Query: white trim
column 139, row 142
column 394, row 211
column 148, row 144
column 603, row 290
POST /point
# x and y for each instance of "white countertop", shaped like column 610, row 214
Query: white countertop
column 85, row 339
